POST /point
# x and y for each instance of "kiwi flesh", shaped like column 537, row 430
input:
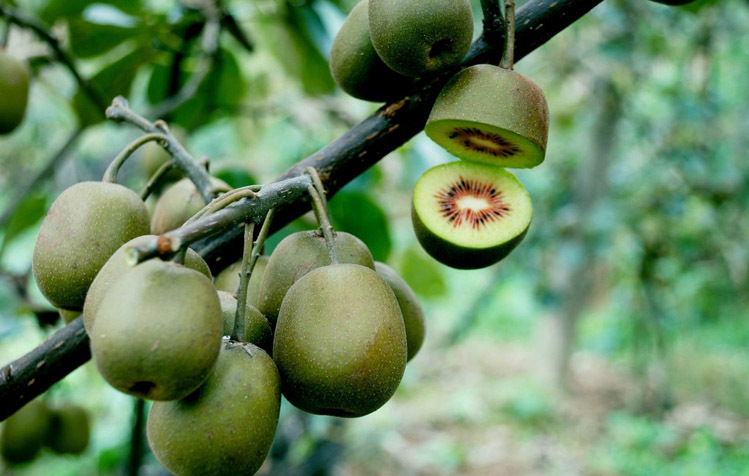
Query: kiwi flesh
column 226, row 427
column 14, row 92
column 178, row 203
column 83, row 228
column 257, row 326
column 157, row 331
column 491, row 115
column 413, row 315
column 416, row 39
column 468, row 215
column 355, row 65
column 297, row 255
column 24, row 432
column 69, row 430
column 116, row 266
column 340, row 342
column 228, row 280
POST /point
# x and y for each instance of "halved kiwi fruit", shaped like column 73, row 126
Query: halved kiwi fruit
column 492, row 115
column 468, row 215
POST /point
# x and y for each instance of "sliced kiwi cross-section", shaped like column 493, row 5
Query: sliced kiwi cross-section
column 469, row 215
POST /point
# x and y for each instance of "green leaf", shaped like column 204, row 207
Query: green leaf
column 422, row 274
column 234, row 175
column 89, row 39
column 356, row 213
column 28, row 213
column 57, row 9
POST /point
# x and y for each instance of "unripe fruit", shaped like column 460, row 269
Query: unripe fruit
column 68, row 315
column 340, row 342
column 14, row 92
column 178, row 203
column 413, row 316
column 153, row 156
column 83, row 228
column 228, row 280
column 226, row 427
column 257, row 326
column 24, row 433
column 69, row 430
column 157, row 332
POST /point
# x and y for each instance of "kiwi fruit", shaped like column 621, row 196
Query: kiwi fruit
column 69, row 430
column 157, row 331
column 116, row 266
column 83, row 228
column 258, row 327
column 355, row 65
column 468, row 215
column 14, row 92
column 228, row 280
column 492, row 115
column 24, row 433
column 178, row 203
column 297, row 255
column 340, row 342
column 153, row 156
column 413, row 315
column 68, row 315
column 416, row 38
column 226, row 427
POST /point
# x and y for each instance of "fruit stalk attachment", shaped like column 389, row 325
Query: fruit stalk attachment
column 154, row 180
column 320, row 206
column 508, row 57
column 110, row 175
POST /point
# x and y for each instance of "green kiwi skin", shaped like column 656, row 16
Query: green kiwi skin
column 357, row 68
column 69, row 430
column 258, row 330
column 14, row 92
column 406, row 34
column 228, row 280
column 24, row 432
column 461, row 257
column 178, row 203
column 413, row 315
column 504, row 99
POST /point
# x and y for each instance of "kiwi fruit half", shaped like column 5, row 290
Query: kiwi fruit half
column 413, row 315
column 24, row 432
column 14, row 92
column 257, row 326
column 83, row 228
column 157, row 331
column 297, row 255
column 417, row 38
column 116, row 266
column 178, row 203
column 340, row 342
column 228, row 280
column 226, row 427
column 468, row 215
column 69, row 430
column 355, row 65
column 492, row 115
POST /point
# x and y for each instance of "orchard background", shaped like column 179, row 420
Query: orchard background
column 613, row 341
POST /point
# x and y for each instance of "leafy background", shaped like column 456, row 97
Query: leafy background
column 639, row 236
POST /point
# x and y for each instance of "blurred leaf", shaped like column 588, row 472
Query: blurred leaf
column 89, row 39
column 356, row 213
column 28, row 213
column 422, row 274
column 57, row 9
column 235, row 175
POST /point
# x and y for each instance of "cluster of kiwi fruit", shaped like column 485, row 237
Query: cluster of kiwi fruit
column 14, row 92
column 64, row 430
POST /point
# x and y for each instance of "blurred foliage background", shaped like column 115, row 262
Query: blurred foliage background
column 613, row 341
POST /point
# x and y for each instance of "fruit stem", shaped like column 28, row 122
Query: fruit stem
column 239, row 333
column 155, row 179
column 110, row 175
column 179, row 258
column 225, row 200
column 321, row 213
column 508, row 57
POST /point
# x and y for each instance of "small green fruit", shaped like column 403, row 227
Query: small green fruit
column 157, row 332
column 178, row 203
column 416, row 38
column 24, row 433
column 227, row 426
column 413, row 316
column 258, row 327
column 69, row 430
column 116, row 266
column 153, row 156
column 14, row 92
column 355, row 65
column 228, row 280
column 297, row 255
column 340, row 342
column 491, row 115
column 83, row 228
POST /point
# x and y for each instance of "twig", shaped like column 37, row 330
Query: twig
column 136, row 437
column 154, row 180
column 508, row 56
column 110, row 175
column 239, row 333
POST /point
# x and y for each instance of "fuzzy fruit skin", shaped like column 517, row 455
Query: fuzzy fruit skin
column 14, row 92
column 83, row 228
column 157, row 332
column 178, row 203
column 115, row 267
column 297, row 255
column 461, row 257
column 416, row 38
column 69, row 430
column 226, row 427
column 228, row 280
column 258, row 328
column 413, row 315
column 153, row 156
column 24, row 432
column 340, row 342
column 498, row 97
column 68, row 315
column 355, row 65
